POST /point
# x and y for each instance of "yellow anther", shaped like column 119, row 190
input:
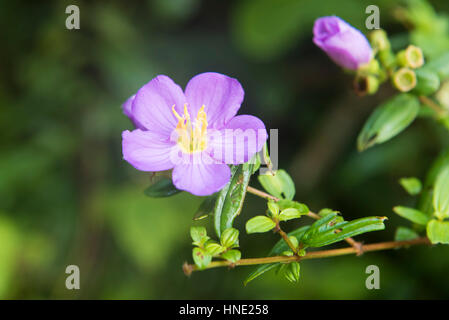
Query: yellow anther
column 192, row 137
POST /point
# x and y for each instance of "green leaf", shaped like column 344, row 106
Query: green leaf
column 388, row 120
column 412, row 185
column 327, row 232
column 259, row 224
column 285, row 204
column 411, row 214
column 438, row 231
column 230, row 238
column 199, row 235
column 162, row 188
column 425, row 203
column 441, row 194
column 278, row 184
column 404, row 234
column 206, row 208
column 288, row 214
column 230, row 199
column 201, row 257
column 278, row 249
column 232, row 255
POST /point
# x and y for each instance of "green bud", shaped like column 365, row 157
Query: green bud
column 214, row 248
column 294, row 241
column 379, row 40
column 274, row 208
column 387, row 58
column 289, row 214
column 199, row 235
column 404, row 79
column 366, row 84
column 259, row 224
column 287, row 253
column 412, row 57
column 232, row 255
column 442, row 95
column 229, row 237
column 302, row 252
column 292, row 271
column 428, row 82
column 201, row 257
column 370, row 68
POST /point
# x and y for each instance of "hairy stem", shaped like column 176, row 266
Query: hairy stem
column 355, row 244
column 189, row 268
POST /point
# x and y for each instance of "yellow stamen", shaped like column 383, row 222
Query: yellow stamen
column 191, row 137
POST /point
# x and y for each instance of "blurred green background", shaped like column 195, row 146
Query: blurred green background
column 67, row 197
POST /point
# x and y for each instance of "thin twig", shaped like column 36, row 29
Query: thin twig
column 189, row 268
column 358, row 246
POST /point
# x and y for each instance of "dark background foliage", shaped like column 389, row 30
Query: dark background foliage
column 67, row 197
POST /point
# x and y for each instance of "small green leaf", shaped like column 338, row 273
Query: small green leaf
column 230, row 199
column 259, row 224
column 259, row 271
column 274, row 208
column 201, row 257
column 427, row 82
column 291, row 271
column 294, row 241
column 412, row 185
column 206, row 207
column 288, row 214
column 213, row 248
column 232, row 255
column 404, row 234
column 438, row 231
column 162, row 188
column 301, row 207
column 230, row 238
column 278, row 184
column 388, row 120
column 411, row 214
column 199, row 236
column 441, row 194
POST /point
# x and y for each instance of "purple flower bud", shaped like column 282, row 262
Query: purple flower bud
column 344, row 44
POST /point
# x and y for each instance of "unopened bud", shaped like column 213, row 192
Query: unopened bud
column 229, row 238
column 404, row 79
column 379, row 40
column 428, row 82
column 442, row 95
column 292, row 271
column 366, row 85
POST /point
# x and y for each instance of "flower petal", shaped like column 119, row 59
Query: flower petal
column 147, row 151
column 221, row 95
column 238, row 141
column 152, row 106
column 344, row 44
column 201, row 179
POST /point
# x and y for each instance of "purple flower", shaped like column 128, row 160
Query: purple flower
column 344, row 44
column 196, row 132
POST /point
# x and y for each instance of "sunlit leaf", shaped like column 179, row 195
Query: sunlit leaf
column 411, row 214
column 279, row 184
column 438, row 231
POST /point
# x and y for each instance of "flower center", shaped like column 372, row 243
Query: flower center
column 192, row 137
